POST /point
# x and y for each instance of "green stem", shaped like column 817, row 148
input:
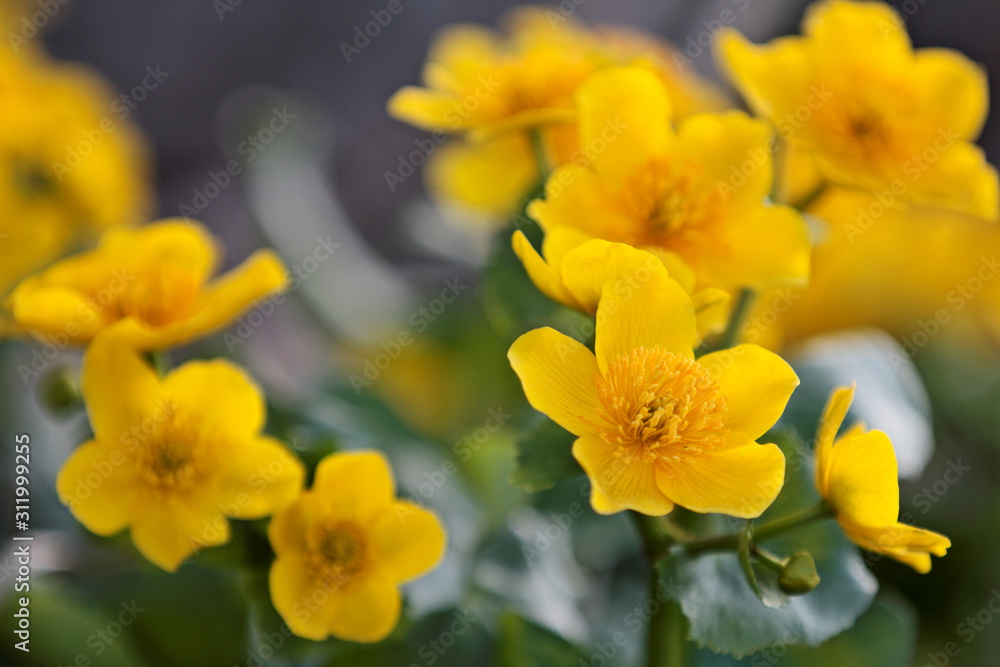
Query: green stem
column 160, row 360
column 540, row 155
column 767, row 558
column 785, row 524
column 732, row 334
column 665, row 638
column 809, row 198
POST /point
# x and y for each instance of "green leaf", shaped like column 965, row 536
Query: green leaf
column 545, row 457
column 524, row 644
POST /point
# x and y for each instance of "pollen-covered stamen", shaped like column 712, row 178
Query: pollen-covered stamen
column 669, row 200
column 660, row 405
column 171, row 453
column 337, row 552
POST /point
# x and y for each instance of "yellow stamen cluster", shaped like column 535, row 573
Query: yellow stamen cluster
column 337, row 553
column 671, row 200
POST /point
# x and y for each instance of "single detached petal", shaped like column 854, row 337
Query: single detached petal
column 228, row 403
column 354, row 484
column 409, row 541
column 863, row 481
column 757, row 384
column 624, row 120
column 261, row 478
column 588, row 268
column 557, row 374
column 620, row 478
column 170, row 529
column 98, row 485
column 303, row 603
column 654, row 313
column 741, row 479
column 120, row 390
column 366, row 611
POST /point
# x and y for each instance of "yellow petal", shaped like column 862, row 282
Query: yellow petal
column 757, row 384
column 756, row 248
column 774, row 79
column 429, row 109
column 846, row 30
column 863, row 481
column 741, row 480
column 120, row 390
column 541, row 273
column 261, row 478
column 733, row 150
column 354, row 484
column 960, row 179
column 620, row 478
column 624, row 120
column 287, row 528
column 458, row 56
column 98, row 484
column 557, row 374
column 654, row 313
column 366, row 611
column 588, row 268
column 58, row 312
column 905, row 543
column 171, row 529
column 558, row 243
column 225, row 398
column 956, row 87
column 833, row 416
column 409, row 541
column 174, row 241
column 712, row 309
column 578, row 197
column 303, row 604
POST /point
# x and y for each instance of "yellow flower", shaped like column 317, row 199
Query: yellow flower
column 148, row 286
column 655, row 426
column 345, row 546
column 492, row 87
column 874, row 113
column 70, row 167
column 857, row 476
column 699, row 193
column 172, row 458
column 576, row 268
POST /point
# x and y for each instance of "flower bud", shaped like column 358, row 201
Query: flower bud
column 798, row 574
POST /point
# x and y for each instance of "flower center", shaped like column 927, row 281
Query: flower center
column 338, row 552
column 660, row 405
column 172, row 454
column 669, row 203
column 155, row 295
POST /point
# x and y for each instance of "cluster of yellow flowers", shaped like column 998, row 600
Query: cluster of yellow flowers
column 660, row 208
column 175, row 456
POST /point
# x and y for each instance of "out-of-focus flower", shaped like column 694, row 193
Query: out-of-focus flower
column 576, row 269
column 172, row 458
column 492, row 88
column 150, row 287
column 656, row 427
column 856, row 474
column 913, row 273
column 345, row 546
column 873, row 113
column 70, row 166
column 699, row 193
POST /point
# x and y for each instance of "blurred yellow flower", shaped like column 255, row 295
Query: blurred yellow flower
column 70, row 166
column 700, row 193
column 172, row 458
column 345, row 546
column 576, row 268
column 656, row 427
column 857, row 476
column 873, row 113
column 149, row 286
column 492, row 87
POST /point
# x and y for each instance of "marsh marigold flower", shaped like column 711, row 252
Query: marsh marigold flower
column 152, row 287
column 67, row 170
column 173, row 457
column 654, row 426
column 574, row 273
column 491, row 88
column 857, row 475
column 699, row 193
column 871, row 112
column 344, row 547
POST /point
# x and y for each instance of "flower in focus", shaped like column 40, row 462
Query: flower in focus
column 574, row 273
column 149, row 286
column 344, row 547
column 654, row 426
column 857, row 476
column 854, row 96
column 491, row 88
column 172, row 458
column 700, row 193
column 68, row 170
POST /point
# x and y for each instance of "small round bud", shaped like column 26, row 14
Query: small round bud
column 798, row 574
